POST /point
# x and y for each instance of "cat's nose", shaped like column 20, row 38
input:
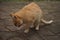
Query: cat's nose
column 15, row 24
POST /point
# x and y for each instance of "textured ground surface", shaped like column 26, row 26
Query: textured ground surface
column 49, row 32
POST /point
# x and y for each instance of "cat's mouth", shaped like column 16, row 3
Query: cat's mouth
column 18, row 25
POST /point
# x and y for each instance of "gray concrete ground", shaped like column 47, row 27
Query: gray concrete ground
column 48, row 32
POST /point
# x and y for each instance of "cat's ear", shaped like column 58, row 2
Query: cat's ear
column 13, row 16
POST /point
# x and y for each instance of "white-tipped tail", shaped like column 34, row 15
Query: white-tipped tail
column 46, row 22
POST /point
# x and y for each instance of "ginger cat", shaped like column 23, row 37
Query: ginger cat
column 27, row 17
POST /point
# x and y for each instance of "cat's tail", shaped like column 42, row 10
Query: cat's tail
column 46, row 22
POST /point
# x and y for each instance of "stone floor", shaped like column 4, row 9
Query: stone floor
column 48, row 32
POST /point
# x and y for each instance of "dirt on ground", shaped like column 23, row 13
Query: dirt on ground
column 48, row 32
